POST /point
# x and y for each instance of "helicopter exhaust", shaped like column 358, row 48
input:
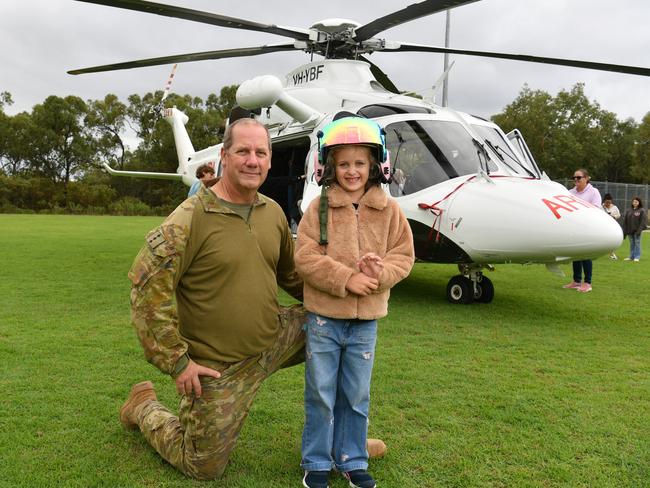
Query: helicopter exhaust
column 266, row 91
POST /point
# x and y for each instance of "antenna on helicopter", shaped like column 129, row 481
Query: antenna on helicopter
column 445, row 84
column 442, row 80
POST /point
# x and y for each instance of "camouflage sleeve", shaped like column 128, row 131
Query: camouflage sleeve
column 154, row 275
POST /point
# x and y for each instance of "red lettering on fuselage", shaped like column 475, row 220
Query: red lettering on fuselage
column 555, row 207
column 565, row 202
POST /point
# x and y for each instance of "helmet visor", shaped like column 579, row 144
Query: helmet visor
column 351, row 130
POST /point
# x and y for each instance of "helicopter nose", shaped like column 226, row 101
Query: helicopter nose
column 518, row 220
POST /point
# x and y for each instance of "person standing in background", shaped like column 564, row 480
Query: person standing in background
column 204, row 173
column 585, row 191
column 634, row 223
column 613, row 211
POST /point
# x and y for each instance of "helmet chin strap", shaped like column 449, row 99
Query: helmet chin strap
column 322, row 215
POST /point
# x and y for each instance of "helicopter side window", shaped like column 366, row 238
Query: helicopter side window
column 427, row 152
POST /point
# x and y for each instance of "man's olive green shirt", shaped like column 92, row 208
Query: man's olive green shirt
column 205, row 283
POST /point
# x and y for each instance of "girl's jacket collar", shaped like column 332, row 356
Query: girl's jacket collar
column 374, row 197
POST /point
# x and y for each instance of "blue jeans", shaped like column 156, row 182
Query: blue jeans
column 580, row 266
column 338, row 367
column 635, row 246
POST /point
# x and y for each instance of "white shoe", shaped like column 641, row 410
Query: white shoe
column 636, row 260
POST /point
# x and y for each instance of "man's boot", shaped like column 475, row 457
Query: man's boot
column 141, row 393
column 376, row 448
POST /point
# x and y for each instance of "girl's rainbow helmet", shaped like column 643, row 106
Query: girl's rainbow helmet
column 353, row 130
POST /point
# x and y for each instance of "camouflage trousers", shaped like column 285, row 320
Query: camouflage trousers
column 199, row 440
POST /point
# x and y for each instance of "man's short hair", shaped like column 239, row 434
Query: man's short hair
column 203, row 169
column 228, row 138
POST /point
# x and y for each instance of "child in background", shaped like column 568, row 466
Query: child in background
column 613, row 211
column 353, row 245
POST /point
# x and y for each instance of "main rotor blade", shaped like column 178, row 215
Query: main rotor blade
column 380, row 76
column 412, row 12
column 185, row 58
column 200, row 16
column 617, row 68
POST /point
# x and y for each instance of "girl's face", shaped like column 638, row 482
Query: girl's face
column 352, row 168
column 635, row 203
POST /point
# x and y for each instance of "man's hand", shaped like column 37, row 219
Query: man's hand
column 188, row 380
column 371, row 265
column 361, row 284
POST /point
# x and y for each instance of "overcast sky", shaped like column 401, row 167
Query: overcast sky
column 41, row 39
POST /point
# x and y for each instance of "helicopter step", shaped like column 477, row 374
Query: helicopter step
column 470, row 286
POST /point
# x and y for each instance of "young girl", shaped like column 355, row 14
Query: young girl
column 354, row 244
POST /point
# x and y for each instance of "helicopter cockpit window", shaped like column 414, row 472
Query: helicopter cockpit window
column 426, row 152
column 513, row 161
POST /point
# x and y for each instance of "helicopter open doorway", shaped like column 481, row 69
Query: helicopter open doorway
column 286, row 179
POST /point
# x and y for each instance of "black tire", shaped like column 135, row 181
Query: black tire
column 460, row 290
column 485, row 290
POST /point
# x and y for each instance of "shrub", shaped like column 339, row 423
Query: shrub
column 129, row 206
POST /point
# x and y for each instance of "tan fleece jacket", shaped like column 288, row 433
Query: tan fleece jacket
column 379, row 226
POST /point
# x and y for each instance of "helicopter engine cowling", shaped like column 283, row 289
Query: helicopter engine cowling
column 266, row 91
column 261, row 91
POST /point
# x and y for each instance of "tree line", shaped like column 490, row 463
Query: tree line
column 50, row 158
column 569, row 131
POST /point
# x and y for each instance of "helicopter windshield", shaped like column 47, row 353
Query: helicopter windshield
column 513, row 161
column 426, row 152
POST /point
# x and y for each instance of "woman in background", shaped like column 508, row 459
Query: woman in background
column 588, row 193
column 634, row 223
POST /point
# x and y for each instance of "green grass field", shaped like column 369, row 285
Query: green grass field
column 544, row 387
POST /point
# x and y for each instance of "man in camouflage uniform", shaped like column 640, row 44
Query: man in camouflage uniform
column 205, row 309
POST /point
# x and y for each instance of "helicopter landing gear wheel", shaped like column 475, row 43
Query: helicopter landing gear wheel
column 460, row 290
column 484, row 290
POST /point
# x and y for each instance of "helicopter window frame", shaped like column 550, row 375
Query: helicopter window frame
column 516, row 138
column 385, row 109
column 511, row 158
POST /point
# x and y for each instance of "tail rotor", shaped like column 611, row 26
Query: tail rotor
column 157, row 109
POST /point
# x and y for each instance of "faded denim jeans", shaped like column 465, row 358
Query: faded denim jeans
column 338, row 367
column 635, row 246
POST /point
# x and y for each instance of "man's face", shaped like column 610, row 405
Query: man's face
column 246, row 163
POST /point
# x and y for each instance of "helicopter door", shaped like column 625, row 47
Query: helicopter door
column 517, row 140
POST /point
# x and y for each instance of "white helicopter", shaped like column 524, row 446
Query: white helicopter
column 473, row 195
